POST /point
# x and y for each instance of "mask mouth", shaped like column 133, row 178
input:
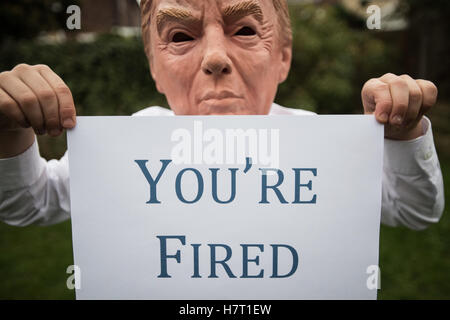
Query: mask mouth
column 225, row 94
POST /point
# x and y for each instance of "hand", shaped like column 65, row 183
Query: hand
column 34, row 96
column 399, row 102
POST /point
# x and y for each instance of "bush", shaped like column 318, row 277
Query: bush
column 107, row 77
column 331, row 62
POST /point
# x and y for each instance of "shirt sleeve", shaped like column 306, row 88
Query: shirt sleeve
column 412, row 184
column 33, row 190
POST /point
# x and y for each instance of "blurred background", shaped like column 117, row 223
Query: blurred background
column 104, row 65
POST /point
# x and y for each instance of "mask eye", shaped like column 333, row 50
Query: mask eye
column 245, row 31
column 181, row 37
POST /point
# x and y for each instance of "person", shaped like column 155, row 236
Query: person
column 212, row 57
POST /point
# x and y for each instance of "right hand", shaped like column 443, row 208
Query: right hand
column 35, row 96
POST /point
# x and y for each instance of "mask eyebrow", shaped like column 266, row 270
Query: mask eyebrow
column 243, row 9
column 181, row 15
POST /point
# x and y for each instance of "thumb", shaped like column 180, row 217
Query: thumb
column 376, row 99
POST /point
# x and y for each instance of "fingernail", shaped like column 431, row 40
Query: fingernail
column 383, row 117
column 68, row 123
column 397, row 119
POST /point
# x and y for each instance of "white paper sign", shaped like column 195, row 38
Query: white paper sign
column 226, row 207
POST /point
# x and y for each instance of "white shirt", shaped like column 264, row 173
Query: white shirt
column 36, row 191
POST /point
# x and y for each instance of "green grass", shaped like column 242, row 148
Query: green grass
column 414, row 265
column 33, row 262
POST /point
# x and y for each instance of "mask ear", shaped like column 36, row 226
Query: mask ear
column 285, row 63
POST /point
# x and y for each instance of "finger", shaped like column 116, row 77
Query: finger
column 415, row 99
column 429, row 95
column 9, row 108
column 377, row 99
column 67, row 110
column 26, row 100
column 400, row 98
column 47, row 99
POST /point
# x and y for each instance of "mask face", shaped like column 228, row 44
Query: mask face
column 217, row 56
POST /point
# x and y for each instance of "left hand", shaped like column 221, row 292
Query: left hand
column 399, row 102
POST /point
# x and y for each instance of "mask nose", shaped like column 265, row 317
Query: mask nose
column 216, row 64
column 216, row 61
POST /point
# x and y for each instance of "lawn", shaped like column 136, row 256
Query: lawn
column 414, row 265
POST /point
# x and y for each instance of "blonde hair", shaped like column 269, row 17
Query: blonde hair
column 281, row 8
